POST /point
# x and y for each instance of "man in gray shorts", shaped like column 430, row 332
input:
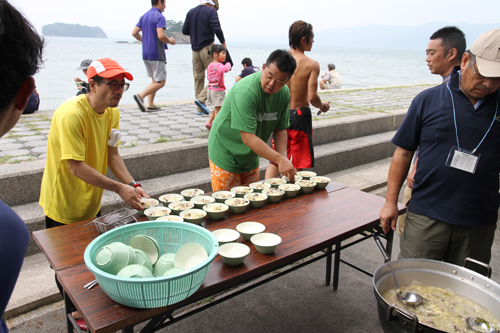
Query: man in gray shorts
column 154, row 40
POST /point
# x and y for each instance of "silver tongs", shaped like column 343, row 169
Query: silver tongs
column 91, row 284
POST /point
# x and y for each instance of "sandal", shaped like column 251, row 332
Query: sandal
column 81, row 323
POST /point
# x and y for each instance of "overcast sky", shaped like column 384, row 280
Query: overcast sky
column 263, row 17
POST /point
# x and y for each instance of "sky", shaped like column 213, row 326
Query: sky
column 262, row 17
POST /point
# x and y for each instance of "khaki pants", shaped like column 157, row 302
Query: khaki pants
column 428, row 238
column 402, row 217
column 201, row 60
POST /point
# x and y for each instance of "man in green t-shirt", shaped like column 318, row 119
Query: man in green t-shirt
column 254, row 109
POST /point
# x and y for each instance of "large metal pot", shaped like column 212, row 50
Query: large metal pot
column 463, row 281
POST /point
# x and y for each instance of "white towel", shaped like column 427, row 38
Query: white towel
column 114, row 137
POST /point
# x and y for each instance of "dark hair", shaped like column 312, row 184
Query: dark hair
column 283, row 60
column 246, row 61
column 451, row 38
column 216, row 48
column 297, row 30
column 20, row 55
column 331, row 66
column 155, row 2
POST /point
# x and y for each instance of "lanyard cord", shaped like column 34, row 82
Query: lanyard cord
column 455, row 120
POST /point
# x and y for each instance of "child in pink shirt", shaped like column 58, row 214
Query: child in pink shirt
column 216, row 91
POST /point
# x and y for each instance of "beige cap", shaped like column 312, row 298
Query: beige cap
column 486, row 48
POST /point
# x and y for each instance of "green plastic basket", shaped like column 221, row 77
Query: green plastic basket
column 158, row 291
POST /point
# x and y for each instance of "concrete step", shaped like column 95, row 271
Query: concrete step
column 20, row 182
column 330, row 157
column 36, row 285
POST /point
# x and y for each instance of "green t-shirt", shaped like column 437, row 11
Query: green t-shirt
column 246, row 108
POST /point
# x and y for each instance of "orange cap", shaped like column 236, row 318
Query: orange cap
column 106, row 68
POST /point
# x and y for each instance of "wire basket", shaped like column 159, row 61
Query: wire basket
column 158, row 291
column 115, row 219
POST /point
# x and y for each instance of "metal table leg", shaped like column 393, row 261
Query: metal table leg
column 336, row 266
column 328, row 277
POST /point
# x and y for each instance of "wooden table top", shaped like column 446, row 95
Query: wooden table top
column 306, row 224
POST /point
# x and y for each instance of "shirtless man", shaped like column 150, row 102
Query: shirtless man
column 303, row 92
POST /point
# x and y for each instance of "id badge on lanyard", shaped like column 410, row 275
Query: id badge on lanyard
column 462, row 160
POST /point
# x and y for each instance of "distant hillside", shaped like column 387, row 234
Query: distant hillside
column 383, row 36
column 72, row 30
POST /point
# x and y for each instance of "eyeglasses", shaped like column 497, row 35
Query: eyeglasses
column 115, row 85
column 473, row 65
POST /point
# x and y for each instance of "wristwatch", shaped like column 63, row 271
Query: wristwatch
column 134, row 184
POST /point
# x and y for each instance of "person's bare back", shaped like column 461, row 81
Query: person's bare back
column 304, row 82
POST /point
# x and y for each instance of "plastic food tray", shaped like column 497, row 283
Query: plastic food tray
column 158, row 291
column 115, row 219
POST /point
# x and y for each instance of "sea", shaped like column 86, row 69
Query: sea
column 358, row 67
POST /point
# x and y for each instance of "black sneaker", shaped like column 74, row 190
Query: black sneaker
column 154, row 108
column 140, row 102
column 202, row 107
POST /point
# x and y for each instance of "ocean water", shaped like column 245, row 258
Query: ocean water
column 358, row 67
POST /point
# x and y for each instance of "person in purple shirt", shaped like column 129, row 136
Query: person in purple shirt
column 154, row 40
column 248, row 69
column 201, row 25
column 21, row 57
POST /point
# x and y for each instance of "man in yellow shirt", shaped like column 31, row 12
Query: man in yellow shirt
column 83, row 141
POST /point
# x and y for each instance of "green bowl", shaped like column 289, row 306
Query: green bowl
column 164, row 263
column 237, row 209
column 175, row 218
column 259, row 186
column 306, row 186
column 215, row 215
column 163, row 211
column 291, row 190
column 191, row 193
column 142, row 258
column 306, row 174
column 227, row 195
column 266, row 243
column 195, row 216
column 148, row 203
column 233, row 254
column 321, row 182
column 113, row 257
column 179, row 206
column 243, row 189
column 297, row 177
column 202, row 200
column 135, row 271
column 274, row 194
column 257, row 200
column 275, row 182
column 248, row 229
column 170, row 197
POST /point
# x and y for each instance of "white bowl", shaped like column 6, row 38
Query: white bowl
column 226, row 235
column 135, row 271
column 164, row 263
column 248, row 229
column 155, row 212
column 189, row 256
column 265, row 243
column 233, row 254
